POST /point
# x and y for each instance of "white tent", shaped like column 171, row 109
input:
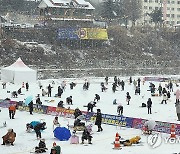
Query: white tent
column 18, row 73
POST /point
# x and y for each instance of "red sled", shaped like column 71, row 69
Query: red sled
column 74, row 139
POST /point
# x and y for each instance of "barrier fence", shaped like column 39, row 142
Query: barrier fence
column 115, row 120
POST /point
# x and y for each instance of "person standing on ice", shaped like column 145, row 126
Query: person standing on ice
column 30, row 107
column 27, row 86
column 160, row 90
column 49, row 90
column 128, row 98
column 171, row 86
column 130, row 80
column 134, row 83
column 139, row 82
column 12, row 111
column 60, row 91
column 177, row 96
column 120, row 109
column 149, row 105
column 98, row 120
column 106, row 80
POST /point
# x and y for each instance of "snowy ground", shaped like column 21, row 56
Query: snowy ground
column 25, row 142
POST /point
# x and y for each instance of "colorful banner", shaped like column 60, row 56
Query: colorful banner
column 6, row 103
column 60, row 112
column 138, row 123
column 68, row 33
column 129, row 122
column 97, row 34
column 36, row 108
column 115, row 120
column 158, row 79
column 83, row 33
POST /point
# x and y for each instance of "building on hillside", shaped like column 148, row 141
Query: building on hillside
column 66, row 12
column 73, row 20
column 170, row 10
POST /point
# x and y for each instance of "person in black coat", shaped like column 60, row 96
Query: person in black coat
column 171, row 86
column 130, row 80
column 49, row 90
column 86, row 136
column 160, row 90
column 106, row 79
column 168, row 95
column 38, row 100
column 164, row 91
column 77, row 122
column 77, row 113
column 42, row 147
column 91, row 105
column 72, row 85
column 115, row 80
column 38, row 128
column 149, row 105
column 103, row 88
column 19, row 91
column 114, row 85
column 97, row 97
column 139, row 82
column 69, row 100
column 60, row 104
column 60, row 91
column 98, row 120
column 27, row 86
column 137, row 90
column 122, row 85
column 128, row 97
column 30, row 107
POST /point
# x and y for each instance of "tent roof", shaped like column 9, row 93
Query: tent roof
column 19, row 65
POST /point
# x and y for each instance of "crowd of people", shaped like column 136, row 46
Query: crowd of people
column 163, row 92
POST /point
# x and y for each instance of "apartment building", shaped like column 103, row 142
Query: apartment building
column 170, row 9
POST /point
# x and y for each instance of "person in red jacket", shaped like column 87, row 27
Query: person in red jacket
column 12, row 111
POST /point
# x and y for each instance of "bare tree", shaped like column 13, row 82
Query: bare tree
column 132, row 10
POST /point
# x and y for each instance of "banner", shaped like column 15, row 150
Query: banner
column 68, row 33
column 129, row 122
column 158, row 79
column 36, row 108
column 82, row 34
column 115, row 120
column 138, row 123
column 6, row 103
column 57, row 111
column 97, row 34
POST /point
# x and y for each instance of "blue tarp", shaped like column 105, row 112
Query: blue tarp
column 62, row 133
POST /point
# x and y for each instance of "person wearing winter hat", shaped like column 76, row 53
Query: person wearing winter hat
column 42, row 147
column 98, row 120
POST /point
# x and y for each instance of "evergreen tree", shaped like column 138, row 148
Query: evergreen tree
column 156, row 16
column 108, row 10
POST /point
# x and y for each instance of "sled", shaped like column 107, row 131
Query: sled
column 154, row 95
column 79, row 128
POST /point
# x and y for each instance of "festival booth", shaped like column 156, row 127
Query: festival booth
column 18, row 73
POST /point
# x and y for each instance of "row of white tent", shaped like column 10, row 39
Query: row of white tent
column 18, row 73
